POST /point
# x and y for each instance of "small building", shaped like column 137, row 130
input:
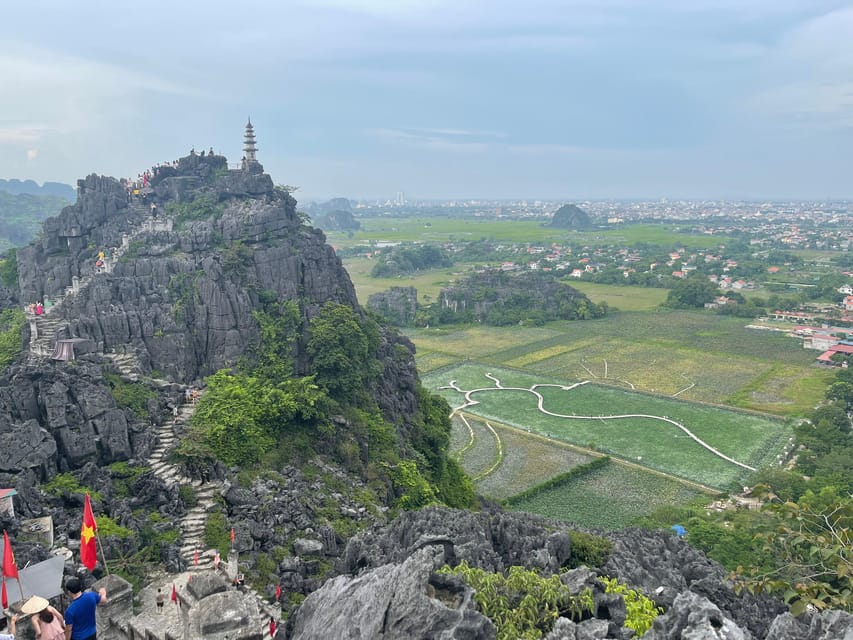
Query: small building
column 819, row 341
column 7, row 507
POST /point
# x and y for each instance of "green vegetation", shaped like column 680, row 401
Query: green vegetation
column 556, row 482
column 522, row 604
column 440, row 230
column 131, row 395
column 637, row 436
column 217, row 533
column 9, row 270
column 123, row 476
column 201, row 207
column 11, row 343
column 692, row 292
column 407, row 259
column 588, row 550
column 700, row 356
column 21, row 217
column 641, row 610
column 107, row 527
column 65, row 485
column 500, row 299
column 611, row 497
column 262, row 415
column 623, row 298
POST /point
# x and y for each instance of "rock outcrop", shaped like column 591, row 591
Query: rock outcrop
column 397, row 305
column 388, row 578
column 571, row 216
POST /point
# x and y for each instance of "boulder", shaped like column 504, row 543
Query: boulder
column 395, row 601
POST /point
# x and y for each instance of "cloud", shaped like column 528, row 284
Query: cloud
column 818, row 54
column 32, row 154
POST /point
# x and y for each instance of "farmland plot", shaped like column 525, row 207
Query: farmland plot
column 627, row 425
column 611, row 497
column 528, row 460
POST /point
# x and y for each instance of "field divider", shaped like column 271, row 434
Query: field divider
column 499, row 458
column 557, row 481
column 471, row 439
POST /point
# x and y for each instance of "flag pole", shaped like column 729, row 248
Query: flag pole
column 101, row 548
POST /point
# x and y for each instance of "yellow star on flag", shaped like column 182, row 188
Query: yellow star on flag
column 87, row 533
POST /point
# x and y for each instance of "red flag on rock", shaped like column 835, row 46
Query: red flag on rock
column 10, row 569
column 278, row 592
column 4, row 599
column 88, row 549
column 195, row 557
column 232, row 535
column 272, row 627
column 175, row 595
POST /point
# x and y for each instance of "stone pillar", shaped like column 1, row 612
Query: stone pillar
column 125, row 241
column 75, row 284
column 113, row 616
column 34, row 329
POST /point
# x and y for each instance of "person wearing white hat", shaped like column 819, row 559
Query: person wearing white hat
column 47, row 621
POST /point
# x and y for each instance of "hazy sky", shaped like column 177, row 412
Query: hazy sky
column 557, row 99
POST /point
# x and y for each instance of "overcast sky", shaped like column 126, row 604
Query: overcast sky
column 552, row 99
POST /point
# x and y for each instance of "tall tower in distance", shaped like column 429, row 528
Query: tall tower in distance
column 249, row 148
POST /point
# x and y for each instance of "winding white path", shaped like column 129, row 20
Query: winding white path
column 469, row 402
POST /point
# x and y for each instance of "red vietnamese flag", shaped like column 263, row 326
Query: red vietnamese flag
column 278, row 592
column 272, row 627
column 195, row 557
column 10, row 570
column 174, row 594
column 4, row 599
column 88, row 550
column 232, row 535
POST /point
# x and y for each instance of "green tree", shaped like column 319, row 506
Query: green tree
column 814, row 546
column 691, row 292
column 340, row 350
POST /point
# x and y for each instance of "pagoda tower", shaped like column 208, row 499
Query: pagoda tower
column 250, row 160
column 249, row 150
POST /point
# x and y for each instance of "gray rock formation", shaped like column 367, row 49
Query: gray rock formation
column 393, row 602
column 397, row 305
column 571, row 216
column 398, row 558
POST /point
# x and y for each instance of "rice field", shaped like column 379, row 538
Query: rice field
column 528, row 460
column 590, row 416
column 608, row 498
column 698, row 357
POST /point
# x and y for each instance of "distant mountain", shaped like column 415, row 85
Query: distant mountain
column 570, row 216
column 22, row 214
column 322, row 208
column 17, row 187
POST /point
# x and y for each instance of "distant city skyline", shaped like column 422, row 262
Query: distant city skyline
column 437, row 100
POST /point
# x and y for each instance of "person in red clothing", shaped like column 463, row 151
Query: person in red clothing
column 272, row 627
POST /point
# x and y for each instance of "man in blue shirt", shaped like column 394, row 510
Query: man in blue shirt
column 80, row 614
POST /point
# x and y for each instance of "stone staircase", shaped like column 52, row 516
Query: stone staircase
column 192, row 525
column 43, row 328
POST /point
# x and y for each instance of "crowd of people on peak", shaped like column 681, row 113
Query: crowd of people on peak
column 139, row 187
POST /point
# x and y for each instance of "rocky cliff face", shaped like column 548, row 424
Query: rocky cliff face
column 177, row 305
column 388, row 588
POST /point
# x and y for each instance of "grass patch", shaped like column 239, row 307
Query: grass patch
column 622, row 297
column 528, row 460
column 611, row 497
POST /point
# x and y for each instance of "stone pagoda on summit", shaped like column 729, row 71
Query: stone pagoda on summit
column 250, row 160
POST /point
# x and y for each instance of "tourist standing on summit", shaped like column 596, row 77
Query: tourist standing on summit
column 80, row 615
